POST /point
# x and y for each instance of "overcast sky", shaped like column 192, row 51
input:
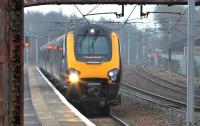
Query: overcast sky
column 70, row 9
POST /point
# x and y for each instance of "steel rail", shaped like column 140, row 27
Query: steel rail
column 153, row 95
column 147, row 99
column 156, row 82
column 118, row 120
column 171, row 82
column 155, row 102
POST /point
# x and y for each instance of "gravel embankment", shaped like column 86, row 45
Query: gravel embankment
column 137, row 112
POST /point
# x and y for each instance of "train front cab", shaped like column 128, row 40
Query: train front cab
column 94, row 81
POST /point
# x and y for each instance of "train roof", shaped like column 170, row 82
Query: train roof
column 82, row 30
column 85, row 29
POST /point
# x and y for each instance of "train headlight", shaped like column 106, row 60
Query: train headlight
column 92, row 31
column 113, row 74
column 73, row 75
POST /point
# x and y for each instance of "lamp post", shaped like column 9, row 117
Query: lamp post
column 128, row 46
column 190, row 62
column 36, row 50
column 170, row 37
column 143, row 47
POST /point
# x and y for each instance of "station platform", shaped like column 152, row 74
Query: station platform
column 49, row 106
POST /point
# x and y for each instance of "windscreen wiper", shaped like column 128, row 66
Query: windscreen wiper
column 93, row 41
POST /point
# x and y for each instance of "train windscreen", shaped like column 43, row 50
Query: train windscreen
column 93, row 48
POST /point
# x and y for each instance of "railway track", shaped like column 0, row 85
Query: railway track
column 150, row 77
column 110, row 120
column 153, row 97
column 154, row 101
column 167, row 88
column 118, row 120
column 179, row 87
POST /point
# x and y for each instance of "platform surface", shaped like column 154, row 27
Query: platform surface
column 50, row 107
column 30, row 117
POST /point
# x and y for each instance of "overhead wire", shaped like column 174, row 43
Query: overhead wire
column 174, row 29
column 177, row 21
column 129, row 16
column 82, row 14
column 95, row 7
column 180, row 17
column 120, row 29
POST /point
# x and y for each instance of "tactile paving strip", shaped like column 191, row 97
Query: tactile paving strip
column 50, row 110
column 45, row 116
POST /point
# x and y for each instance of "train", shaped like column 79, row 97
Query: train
column 86, row 62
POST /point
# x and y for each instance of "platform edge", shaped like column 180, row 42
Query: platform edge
column 64, row 101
